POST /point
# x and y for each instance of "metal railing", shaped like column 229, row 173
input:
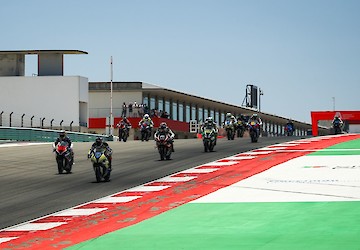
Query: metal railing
column 44, row 135
column 11, row 119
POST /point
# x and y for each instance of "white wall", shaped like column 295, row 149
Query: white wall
column 99, row 102
column 50, row 97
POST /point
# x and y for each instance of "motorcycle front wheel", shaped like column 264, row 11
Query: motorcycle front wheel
column 97, row 173
column 60, row 164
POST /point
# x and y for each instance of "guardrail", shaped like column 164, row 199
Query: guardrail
column 45, row 135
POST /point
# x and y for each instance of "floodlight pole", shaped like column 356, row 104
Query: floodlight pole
column 111, row 95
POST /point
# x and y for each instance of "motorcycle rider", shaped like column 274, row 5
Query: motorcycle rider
column 291, row 124
column 101, row 144
column 210, row 124
column 231, row 118
column 124, row 121
column 146, row 119
column 241, row 123
column 255, row 118
column 163, row 128
column 64, row 137
column 337, row 122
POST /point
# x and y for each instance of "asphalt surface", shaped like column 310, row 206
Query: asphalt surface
column 31, row 187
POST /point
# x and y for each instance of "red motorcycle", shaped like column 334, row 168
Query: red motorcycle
column 123, row 131
column 64, row 157
column 163, row 144
column 145, row 131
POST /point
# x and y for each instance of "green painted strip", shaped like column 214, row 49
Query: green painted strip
column 305, row 225
column 351, row 148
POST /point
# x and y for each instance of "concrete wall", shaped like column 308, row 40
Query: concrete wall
column 49, row 97
column 99, row 102
column 12, row 65
column 50, row 65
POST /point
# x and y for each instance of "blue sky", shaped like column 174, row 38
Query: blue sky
column 300, row 53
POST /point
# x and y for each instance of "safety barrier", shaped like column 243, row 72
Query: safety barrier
column 45, row 135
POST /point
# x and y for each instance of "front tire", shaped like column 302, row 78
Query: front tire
column 97, row 174
column 60, row 163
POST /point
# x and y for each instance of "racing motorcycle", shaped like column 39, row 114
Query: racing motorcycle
column 145, row 131
column 254, row 131
column 289, row 130
column 209, row 137
column 163, row 144
column 240, row 128
column 124, row 132
column 337, row 127
column 64, row 157
column 100, row 164
column 230, row 130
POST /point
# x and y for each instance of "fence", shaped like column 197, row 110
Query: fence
column 44, row 135
column 11, row 119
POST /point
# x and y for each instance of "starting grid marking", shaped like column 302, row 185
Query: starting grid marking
column 121, row 197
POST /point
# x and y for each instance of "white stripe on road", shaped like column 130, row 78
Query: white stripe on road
column 5, row 239
column 144, row 188
column 114, row 199
column 225, row 163
column 198, row 171
column 176, row 179
column 33, row 226
column 80, row 212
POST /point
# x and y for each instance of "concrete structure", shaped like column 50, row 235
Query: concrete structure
column 47, row 98
column 182, row 107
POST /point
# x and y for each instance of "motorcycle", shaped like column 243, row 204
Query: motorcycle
column 145, row 130
column 240, row 128
column 64, row 157
column 209, row 137
column 164, row 146
column 124, row 132
column 289, row 130
column 230, row 130
column 254, row 131
column 337, row 127
column 100, row 164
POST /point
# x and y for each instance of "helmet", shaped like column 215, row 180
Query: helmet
column 124, row 118
column 228, row 114
column 210, row 119
column 163, row 125
column 146, row 116
column 98, row 141
column 62, row 134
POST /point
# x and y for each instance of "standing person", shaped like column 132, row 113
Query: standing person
column 124, row 107
column 130, row 109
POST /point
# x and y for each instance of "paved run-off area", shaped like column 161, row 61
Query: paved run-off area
column 310, row 202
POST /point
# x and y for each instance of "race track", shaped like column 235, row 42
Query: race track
column 31, row 187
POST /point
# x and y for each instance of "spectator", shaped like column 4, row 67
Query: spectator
column 123, row 114
column 130, row 109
